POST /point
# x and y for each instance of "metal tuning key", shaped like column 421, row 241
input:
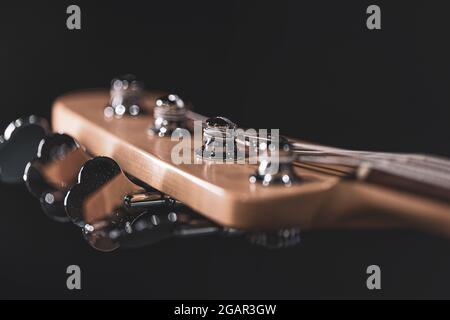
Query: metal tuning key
column 150, row 227
column 126, row 97
column 18, row 145
column 54, row 170
column 169, row 115
column 219, row 140
column 275, row 164
column 47, row 163
column 113, row 211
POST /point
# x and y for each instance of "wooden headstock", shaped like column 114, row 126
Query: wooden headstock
column 326, row 196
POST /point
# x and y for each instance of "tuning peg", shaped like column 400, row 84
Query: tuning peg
column 219, row 140
column 275, row 163
column 18, row 145
column 148, row 228
column 99, row 193
column 113, row 211
column 169, row 114
column 53, row 172
column 126, row 97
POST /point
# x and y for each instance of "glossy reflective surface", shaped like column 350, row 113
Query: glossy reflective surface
column 99, row 194
column 112, row 211
column 19, row 145
column 49, row 176
column 169, row 114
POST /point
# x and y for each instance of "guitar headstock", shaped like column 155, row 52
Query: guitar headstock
column 129, row 164
column 220, row 190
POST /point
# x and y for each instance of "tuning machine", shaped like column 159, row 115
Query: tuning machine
column 18, row 146
column 47, row 162
column 275, row 163
column 113, row 211
column 219, row 141
column 54, row 170
column 169, row 114
column 126, row 97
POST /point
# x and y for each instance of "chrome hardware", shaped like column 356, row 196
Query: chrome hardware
column 275, row 164
column 169, row 114
column 150, row 227
column 19, row 145
column 219, row 141
column 126, row 97
column 133, row 216
column 149, row 200
column 53, row 172
column 47, row 162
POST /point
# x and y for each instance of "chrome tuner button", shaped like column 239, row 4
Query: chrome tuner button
column 48, row 163
column 219, row 140
column 19, row 145
column 54, row 170
column 275, row 164
column 133, row 216
column 130, row 212
column 126, row 97
column 169, row 114
column 283, row 238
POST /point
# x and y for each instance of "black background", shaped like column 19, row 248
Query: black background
column 310, row 68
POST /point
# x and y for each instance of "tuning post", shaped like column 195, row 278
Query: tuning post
column 219, row 140
column 149, row 200
column 126, row 96
column 275, row 164
column 169, row 114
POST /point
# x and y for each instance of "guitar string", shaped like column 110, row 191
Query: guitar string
column 298, row 147
column 424, row 175
column 433, row 165
column 440, row 162
column 424, row 168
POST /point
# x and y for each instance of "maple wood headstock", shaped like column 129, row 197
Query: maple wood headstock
column 134, row 188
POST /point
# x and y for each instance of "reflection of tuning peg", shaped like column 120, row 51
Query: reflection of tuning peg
column 18, row 146
column 113, row 211
column 53, row 172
